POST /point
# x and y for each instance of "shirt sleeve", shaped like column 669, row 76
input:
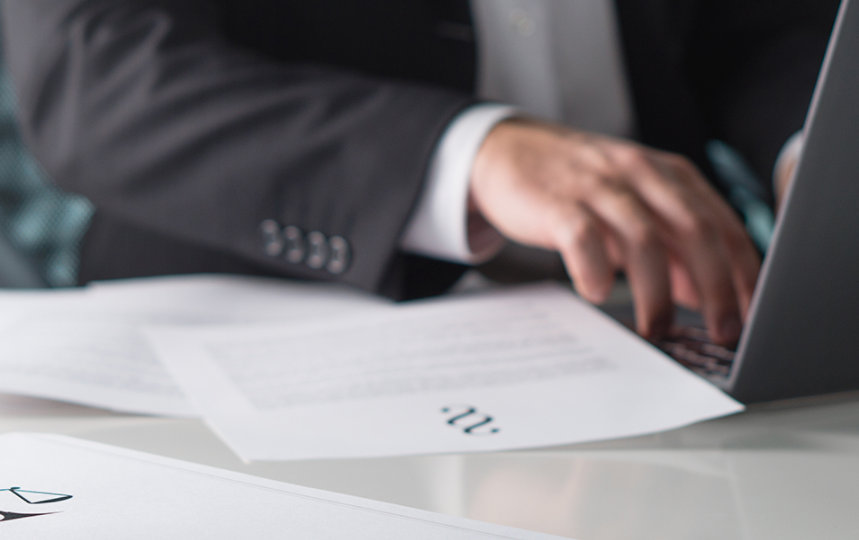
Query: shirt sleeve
column 441, row 225
column 789, row 153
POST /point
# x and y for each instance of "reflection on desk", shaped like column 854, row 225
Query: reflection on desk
column 788, row 470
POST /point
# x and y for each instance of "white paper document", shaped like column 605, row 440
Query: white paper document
column 61, row 488
column 85, row 346
column 515, row 368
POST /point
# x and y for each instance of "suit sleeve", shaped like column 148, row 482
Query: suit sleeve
column 754, row 65
column 146, row 109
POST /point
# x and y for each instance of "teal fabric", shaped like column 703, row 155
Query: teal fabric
column 42, row 224
column 744, row 192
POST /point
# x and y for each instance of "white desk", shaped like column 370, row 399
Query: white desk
column 772, row 472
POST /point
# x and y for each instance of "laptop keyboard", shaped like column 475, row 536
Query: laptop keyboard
column 691, row 346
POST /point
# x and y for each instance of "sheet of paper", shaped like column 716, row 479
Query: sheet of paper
column 516, row 368
column 85, row 345
column 92, row 491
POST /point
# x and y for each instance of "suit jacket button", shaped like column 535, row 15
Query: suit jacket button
column 294, row 243
column 317, row 250
column 340, row 257
column 272, row 237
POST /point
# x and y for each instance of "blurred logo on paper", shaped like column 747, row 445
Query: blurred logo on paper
column 25, row 497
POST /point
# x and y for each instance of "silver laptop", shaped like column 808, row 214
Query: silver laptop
column 802, row 334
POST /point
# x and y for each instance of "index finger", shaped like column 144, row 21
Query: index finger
column 710, row 241
column 645, row 257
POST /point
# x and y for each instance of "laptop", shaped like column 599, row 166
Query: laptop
column 802, row 334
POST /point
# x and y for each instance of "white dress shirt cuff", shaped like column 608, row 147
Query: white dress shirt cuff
column 441, row 225
column 789, row 154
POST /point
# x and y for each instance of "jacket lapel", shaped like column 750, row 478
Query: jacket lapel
column 654, row 36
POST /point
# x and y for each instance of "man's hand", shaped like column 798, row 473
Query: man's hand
column 783, row 177
column 606, row 204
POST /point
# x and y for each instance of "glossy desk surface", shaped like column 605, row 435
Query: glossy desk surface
column 783, row 471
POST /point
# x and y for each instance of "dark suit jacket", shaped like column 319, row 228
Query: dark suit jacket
column 191, row 122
